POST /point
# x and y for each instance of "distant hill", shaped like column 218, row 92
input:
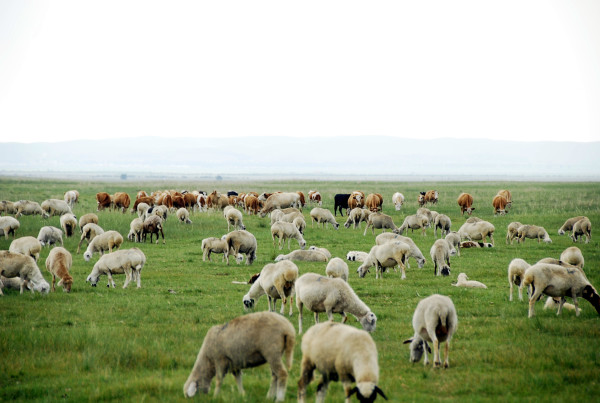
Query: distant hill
column 368, row 156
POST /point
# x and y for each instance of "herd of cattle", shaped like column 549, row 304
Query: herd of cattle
column 354, row 361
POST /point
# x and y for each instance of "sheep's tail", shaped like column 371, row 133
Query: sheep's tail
column 288, row 349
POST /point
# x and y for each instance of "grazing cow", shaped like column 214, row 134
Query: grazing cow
column 142, row 199
column 302, row 202
column 354, row 202
column 500, row 204
column 431, row 196
column 465, row 201
column 121, row 200
column 178, row 202
column 315, row 197
column 190, row 200
column 104, row 200
column 374, row 202
column 340, row 201
column 506, row 194
column 251, row 204
column 398, row 200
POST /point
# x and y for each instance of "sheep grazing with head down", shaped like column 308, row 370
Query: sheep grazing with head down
column 104, row 242
column 512, row 231
column 463, row 281
column 50, row 236
column 567, row 227
column 234, row 218
column 582, row 227
column 71, row 197
column 136, row 228
column 9, row 225
column 453, row 239
column 26, row 245
column 389, row 254
column 516, row 271
column 414, row 222
column 573, row 256
column 323, row 216
column 17, row 265
column 357, row 216
column 183, row 215
column 276, row 280
column 379, row 221
column 340, row 352
column 331, row 295
column 241, row 241
column 89, row 232
column 52, row 207
column 86, row 219
column 476, row 229
column 440, row 255
column 443, row 222
column 28, row 207
column 533, row 232
column 125, row 261
column 58, row 263
column 434, row 321
column 415, row 252
column 68, row 223
column 153, row 225
column 285, row 230
column 337, row 268
column 244, row 342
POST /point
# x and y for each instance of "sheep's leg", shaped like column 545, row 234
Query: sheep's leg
column 291, row 304
column 218, row 380
column 110, row 280
column 446, row 354
column 322, row 389
column 510, row 293
column 575, row 302
column 561, row 302
column 306, row 376
column 127, row 277
column 53, row 281
column 532, row 299
column 299, row 306
column 238, row 379
column 279, row 377
column 403, row 272
column 521, row 292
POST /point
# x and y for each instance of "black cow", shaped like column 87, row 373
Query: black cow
column 341, row 202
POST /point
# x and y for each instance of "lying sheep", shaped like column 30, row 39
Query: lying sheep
column 512, row 231
column 582, row 227
column 414, row 222
column 286, row 231
column 559, row 281
column 340, row 352
column 473, row 244
column 331, row 295
column 49, row 236
column 324, row 216
column 379, row 221
column 385, row 256
column 183, row 215
column 52, row 207
column 9, row 225
column 454, row 239
column 89, row 232
column 415, row 252
column 244, row 342
column 102, row 243
column 516, row 271
column 434, row 321
column 26, row 245
column 68, row 223
column 573, row 256
column 443, row 222
column 322, row 250
column 440, row 255
column 136, row 228
column 13, row 283
column 356, row 216
column 241, row 241
column 357, row 256
column 125, row 261
column 463, row 281
column 234, row 218
column 153, row 225
column 276, row 280
column 17, row 265
column 299, row 255
column 477, row 230
column 58, row 263
column 86, row 219
column 533, row 232
column 554, row 303
column 567, row 227
column 28, row 207
column 337, row 268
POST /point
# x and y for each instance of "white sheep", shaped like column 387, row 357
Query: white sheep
column 213, row 245
column 300, row 224
column 102, row 243
column 125, row 261
column 582, row 227
column 52, row 207
column 414, row 222
column 476, row 229
column 234, row 218
column 559, row 281
column 183, row 215
column 276, row 280
column 434, row 321
column 324, row 216
column 331, row 295
column 398, row 200
column 28, row 207
column 26, row 245
column 244, row 342
column 443, row 222
column 337, row 268
column 384, row 256
column 276, row 215
column 89, row 232
column 512, row 231
column 454, row 239
column 142, row 210
column 379, row 221
column 9, row 225
column 68, row 223
column 71, row 197
column 241, row 241
column 18, row 265
column 415, row 252
column 58, row 263
column 533, row 232
column 13, row 283
column 340, row 352
column 357, row 256
column 463, row 281
column 86, row 219
column 285, row 230
column 567, row 227
column 322, row 250
column 136, row 228
column 356, row 216
column 573, row 256
column 49, row 236
column 554, row 303
column 300, row 255
column 7, row 207
column 516, row 272
column 440, row 255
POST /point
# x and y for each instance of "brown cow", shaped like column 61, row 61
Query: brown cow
column 314, row 197
column 465, row 201
column 166, row 200
column 374, row 202
column 104, row 200
column 251, row 204
column 121, row 200
column 190, row 200
column 302, row 200
column 431, row 196
column 500, row 204
column 506, row 194
column 178, row 202
column 142, row 199
column 353, row 202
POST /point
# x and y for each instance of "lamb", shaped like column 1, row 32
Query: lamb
column 398, row 200
column 384, row 256
column 582, row 227
column 241, row 241
column 440, row 255
column 414, row 222
column 183, row 215
column 102, row 243
column 68, row 223
column 454, row 239
column 356, row 256
column 86, row 219
column 234, row 218
column 28, row 207
column 568, row 225
column 573, row 256
column 71, row 197
column 559, row 281
column 9, row 225
column 356, row 217
column 331, row 295
column 136, row 228
column 337, row 268
column 89, row 232
column 17, row 265
column 443, row 222
column 285, row 230
column 153, row 226
column 49, row 236
column 463, row 281
column 340, row 352
column 52, row 207
column 244, row 342
column 322, row 250
column 127, row 261
column 379, row 221
column 276, row 280
column 477, row 231
column 58, row 263
column 434, row 321
column 299, row 255
column 26, row 245
column 321, row 215
column 415, row 252
column 516, row 271
column 512, row 231
column 533, row 232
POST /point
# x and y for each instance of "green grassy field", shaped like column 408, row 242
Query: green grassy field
column 140, row 344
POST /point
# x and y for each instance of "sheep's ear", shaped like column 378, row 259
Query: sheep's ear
column 379, row 391
column 352, row 391
column 407, row 341
column 427, row 347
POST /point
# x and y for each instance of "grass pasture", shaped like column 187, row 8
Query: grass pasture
column 140, row 344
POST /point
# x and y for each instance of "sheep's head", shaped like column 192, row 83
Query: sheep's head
column 42, row 286
column 302, row 244
column 421, row 262
column 547, row 239
column 66, row 283
column 366, row 392
column 417, row 347
column 248, row 302
column 561, row 231
column 369, row 321
column 462, row 277
column 92, row 280
column 590, row 294
column 445, row 270
column 362, row 270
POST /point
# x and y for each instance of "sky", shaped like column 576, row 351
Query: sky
column 511, row 70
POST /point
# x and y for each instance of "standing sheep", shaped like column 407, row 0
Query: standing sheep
column 516, row 271
column 337, row 268
column 533, row 232
column 443, row 222
column 477, row 230
column 89, row 232
column 49, row 236
column 384, row 256
column 18, row 265
column 357, row 216
column 324, row 216
column 68, row 223
column 340, row 352
column 398, row 200
column 573, row 256
column 434, row 321
column 136, row 228
column 28, row 207
column 241, row 241
column 582, row 227
column 415, row 252
column 568, row 225
column 512, row 231
column 153, row 226
column 454, row 239
column 102, row 243
column 125, row 261
column 52, row 207
column 331, row 295
column 234, row 218
column 276, row 280
column 285, row 230
column 26, row 245
column 244, row 342
column 9, row 225
column 183, row 215
column 86, row 219
column 58, row 263
column 379, row 221
column 440, row 255
column 71, row 197
column 414, row 222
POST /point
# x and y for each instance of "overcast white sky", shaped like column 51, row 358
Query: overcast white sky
column 514, row 70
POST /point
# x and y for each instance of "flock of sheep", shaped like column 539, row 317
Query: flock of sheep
column 338, row 351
